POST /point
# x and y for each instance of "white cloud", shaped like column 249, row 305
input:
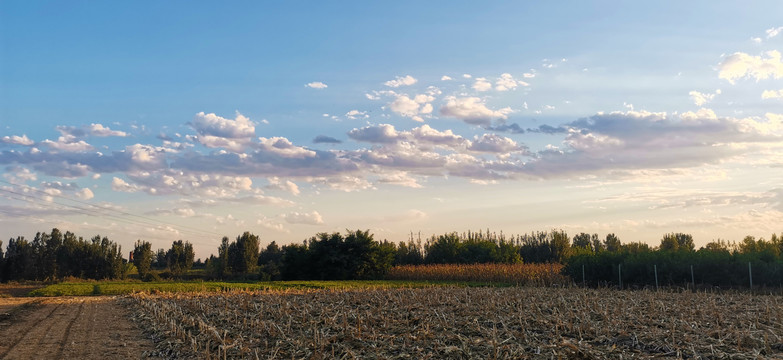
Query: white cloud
column 482, row 84
column 493, row 143
column 445, row 78
column 19, row 175
column 507, row 82
column 215, row 131
column 17, row 140
column 700, row 98
column 310, row 218
column 85, row 194
column 472, row 110
column 412, row 108
column 316, row 85
column 401, row 81
column 383, row 133
column 118, row 184
column 356, row 114
column 399, row 178
column 467, row 76
column 63, row 144
column 772, row 94
column 740, row 65
column 756, row 40
column 285, row 148
column 287, row 185
column 271, row 224
column 772, row 32
column 102, row 131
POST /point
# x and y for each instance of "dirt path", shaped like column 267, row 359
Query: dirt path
column 70, row 328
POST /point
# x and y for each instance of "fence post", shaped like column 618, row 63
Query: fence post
column 656, row 277
column 693, row 280
column 583, row 276
column 620, row 275
column 750, row 275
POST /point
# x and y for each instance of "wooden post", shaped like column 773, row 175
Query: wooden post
column 750, row 275
column 693, row 280
column 583, row 275
column 656, row 276
column 620, row 275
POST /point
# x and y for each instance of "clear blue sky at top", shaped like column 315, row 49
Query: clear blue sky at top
column 164, row 61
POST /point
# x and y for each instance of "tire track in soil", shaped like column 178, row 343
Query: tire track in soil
column 30, row 324
column 67, row 333
column 73, row 328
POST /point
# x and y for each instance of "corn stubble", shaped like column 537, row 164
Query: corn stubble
column 460, row 323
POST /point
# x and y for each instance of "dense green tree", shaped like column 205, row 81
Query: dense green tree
column 142, row 258
column 677, row 242
column 180, row 257
column 270, row 262
column 582, row 240
column 243, row 254
column 612, row 242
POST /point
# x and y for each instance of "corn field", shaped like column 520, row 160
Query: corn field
column 517, row 274
column 459, row 323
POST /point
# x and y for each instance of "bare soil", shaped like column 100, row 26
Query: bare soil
column 69, row 328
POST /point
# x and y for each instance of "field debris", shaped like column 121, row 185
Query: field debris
column 461, row 323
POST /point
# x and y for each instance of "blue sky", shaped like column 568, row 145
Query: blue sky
column 192, row 120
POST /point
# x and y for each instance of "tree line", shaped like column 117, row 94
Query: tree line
column 676, row 262
column 357, row 255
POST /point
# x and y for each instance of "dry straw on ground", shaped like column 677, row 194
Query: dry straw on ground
column 462, row 323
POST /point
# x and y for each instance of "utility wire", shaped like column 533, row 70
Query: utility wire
column 200, row 231
column 96, row 212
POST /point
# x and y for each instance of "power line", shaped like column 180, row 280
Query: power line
column 101, row 211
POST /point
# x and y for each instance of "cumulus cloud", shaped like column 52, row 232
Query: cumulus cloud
column 428, row 135
column 323, row 139
column 775, row 31
column 445, row 78
column 64, row 144
column 103, row 131
column 399, row 178
column 276, row 183
column 482, row 84
column 741, row 65
column 271, row 224
column 492, row 143
column 17, row 140
column 700, row 99
column 412, row 108
column 356, row 114
column 316, row 85
column 401, row 81
column 19, row 175
column 121, row 185
column 472, row 110
column 772, row 94
column 645, row 140
column 285, row 148
column 215, row 131
column 85, row 194
column 383, row 133
column 309, row 218
column 507, row 82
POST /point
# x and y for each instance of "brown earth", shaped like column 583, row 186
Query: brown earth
column 69, row 328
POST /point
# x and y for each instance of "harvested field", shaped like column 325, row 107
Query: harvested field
column 69, row 328
column 464, row 323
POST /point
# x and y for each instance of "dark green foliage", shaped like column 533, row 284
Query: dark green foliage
column 716, row 264
column 180, row 258
column 55, row 255
column 142, row 258
column 470, row 248
column 243, row 254
column 270, row 261
column 336, row 257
